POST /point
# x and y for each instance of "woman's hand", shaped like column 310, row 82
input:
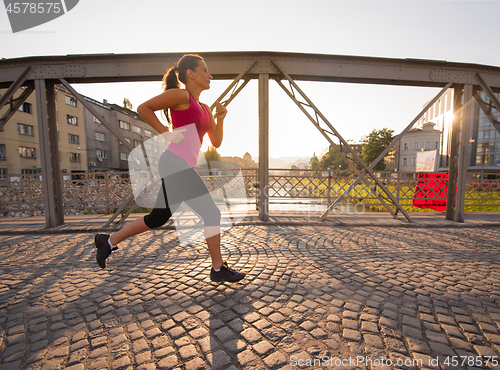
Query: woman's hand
column 174, row 137
column 220, row 111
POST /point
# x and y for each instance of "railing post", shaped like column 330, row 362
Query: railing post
column 329, row 189
column 106, row 181
column 264, row 147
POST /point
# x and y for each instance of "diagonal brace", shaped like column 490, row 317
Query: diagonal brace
column 16, row 103
column 338, row 149
column 15, row 86
column 354, row 154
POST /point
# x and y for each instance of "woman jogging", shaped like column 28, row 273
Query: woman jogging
column 190, row 121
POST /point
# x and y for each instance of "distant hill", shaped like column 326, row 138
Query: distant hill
column 286, row 162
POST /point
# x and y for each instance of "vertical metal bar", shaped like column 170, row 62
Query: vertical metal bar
column 453, row 163
column 467, row 112
column 264, row 147
column 49, row 153
column 329, row 188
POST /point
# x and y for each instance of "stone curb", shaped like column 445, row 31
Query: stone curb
column 416, row 225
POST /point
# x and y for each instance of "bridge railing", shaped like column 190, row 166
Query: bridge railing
column 103, row 192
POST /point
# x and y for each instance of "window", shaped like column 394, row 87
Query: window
column 436, row 145
column 23, row 129
column 124, row 156
column 413, row 161
column 2, row 149
column 96, row 120
column 127, row 140
column 25, row 107
column 74, row 139
column 3, row 174
column 137, row 130
column 405, row 161
column 28, row 172
column 72, row 120
column 101, row 154
column 416, row 145
column 136, row 143
column 74, row 157
column 27, row 152
column 148, row 133
column 100, row 136
column 487, row 134
column 405, row 146
column 148, row 146
column 124, row 125
column 71, row 101
column 427, row 144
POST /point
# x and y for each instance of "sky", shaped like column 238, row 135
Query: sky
column 456, row 31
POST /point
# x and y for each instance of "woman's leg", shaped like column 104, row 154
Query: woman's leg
column 133, row 228
column 212, row 237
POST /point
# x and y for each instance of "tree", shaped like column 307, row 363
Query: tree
column 315, row 165
column 333, row 161
column 211, row 154
column 374, row 144
column 127, row 104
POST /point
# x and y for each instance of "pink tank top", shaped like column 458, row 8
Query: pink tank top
column 196, row 121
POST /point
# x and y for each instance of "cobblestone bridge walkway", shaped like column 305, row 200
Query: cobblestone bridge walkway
column 407, row 297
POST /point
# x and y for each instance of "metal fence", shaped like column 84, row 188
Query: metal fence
column 104, row 192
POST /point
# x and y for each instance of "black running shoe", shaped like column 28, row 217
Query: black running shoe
column 103, row 249
column 226, row 274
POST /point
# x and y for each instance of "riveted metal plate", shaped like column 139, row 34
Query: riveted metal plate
column 263, row 66
column 58, row 71
column 443, row 75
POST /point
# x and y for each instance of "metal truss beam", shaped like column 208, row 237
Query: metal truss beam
column 227, row 65
column 16, row 104
column 342, row 141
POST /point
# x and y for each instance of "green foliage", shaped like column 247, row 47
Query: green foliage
column 315, row 166
column 211, row 154
column 333, row 161
column 374, row 144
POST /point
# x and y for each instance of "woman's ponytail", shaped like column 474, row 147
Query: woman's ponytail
column 170, row 81
column 177, row 74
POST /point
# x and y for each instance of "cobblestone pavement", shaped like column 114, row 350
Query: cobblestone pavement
column 396, row 294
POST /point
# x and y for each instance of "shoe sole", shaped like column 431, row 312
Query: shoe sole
column 227, row 281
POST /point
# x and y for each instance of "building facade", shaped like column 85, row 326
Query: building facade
column 85, row 144
column 19, row 139
column 105, row 152
column 484, row 149
column 414, row 141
